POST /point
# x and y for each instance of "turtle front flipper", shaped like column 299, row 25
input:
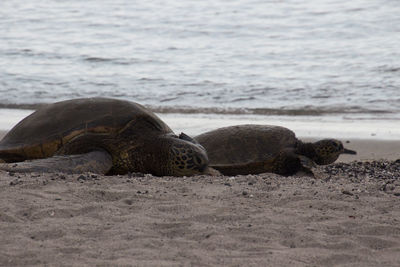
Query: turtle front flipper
column 96, row 161
column 287, row 162
column 307, row 162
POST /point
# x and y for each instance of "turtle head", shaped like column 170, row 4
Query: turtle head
column 328, row 150
column 186, row 156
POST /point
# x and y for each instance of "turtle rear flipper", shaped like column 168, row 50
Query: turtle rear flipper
column 96, row 161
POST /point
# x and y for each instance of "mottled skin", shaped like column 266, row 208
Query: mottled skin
column 105, row 136
column 253, row 149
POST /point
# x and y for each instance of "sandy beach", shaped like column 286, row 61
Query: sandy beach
column 347, row 215
column 117, row 76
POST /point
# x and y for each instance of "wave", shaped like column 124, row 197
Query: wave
column 302, row 111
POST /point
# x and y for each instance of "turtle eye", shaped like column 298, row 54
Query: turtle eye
column 338, row 146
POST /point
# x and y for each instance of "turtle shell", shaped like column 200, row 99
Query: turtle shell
column 246, row 143
column 45, row 131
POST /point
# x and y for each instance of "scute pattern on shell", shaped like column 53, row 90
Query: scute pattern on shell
column 246, row 143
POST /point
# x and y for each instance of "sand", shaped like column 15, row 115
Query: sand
column 347, row 215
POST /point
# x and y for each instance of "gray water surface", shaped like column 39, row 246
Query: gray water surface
column 333, row 55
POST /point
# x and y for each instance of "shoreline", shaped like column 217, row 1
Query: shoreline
column 304, row 126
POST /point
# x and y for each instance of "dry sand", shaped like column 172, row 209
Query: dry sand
column 348, row 215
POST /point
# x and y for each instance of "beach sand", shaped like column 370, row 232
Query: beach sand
column 347, row 215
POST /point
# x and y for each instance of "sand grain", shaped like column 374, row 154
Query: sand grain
column 203, row 221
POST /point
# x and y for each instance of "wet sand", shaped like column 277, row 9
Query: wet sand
column 347, row 215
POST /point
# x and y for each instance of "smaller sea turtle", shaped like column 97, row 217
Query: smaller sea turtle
column 99, row 135
column 253, row 149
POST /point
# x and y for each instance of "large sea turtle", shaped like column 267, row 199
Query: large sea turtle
column 99, row 135
column 253, row 149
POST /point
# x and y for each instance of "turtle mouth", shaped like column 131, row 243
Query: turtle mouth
column 349, row 151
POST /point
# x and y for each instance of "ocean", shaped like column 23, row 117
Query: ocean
column 320, row 67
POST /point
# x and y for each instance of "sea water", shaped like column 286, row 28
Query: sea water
column 258, row 61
